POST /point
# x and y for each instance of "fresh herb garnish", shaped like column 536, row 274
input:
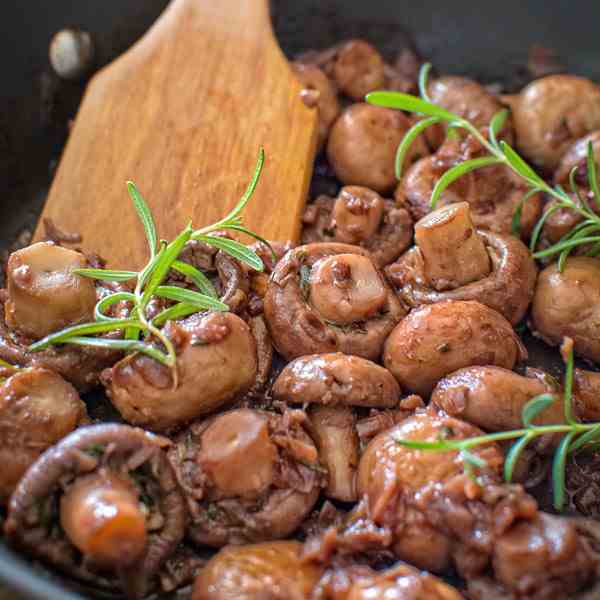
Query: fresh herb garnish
column 500, row 153
column 577, row 436
column 140, row 333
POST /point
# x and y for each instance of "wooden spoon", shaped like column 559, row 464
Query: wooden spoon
column 183, row 114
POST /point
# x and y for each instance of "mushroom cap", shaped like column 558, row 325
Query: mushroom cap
column 216, row 362
column 286, row 302
column 334, row 379
column 576, row 156
column 437, row 339
column 358, row 69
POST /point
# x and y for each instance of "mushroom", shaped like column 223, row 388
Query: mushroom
column 37, row 409
column 358, row 69
column 567, row 304
column 359, row 216
column 453, row 261
column 314, row 80
column 269, row 571
column 493, row 192
column 336, row 299
column 493, row 397
column 216, row 363
column 120, row 510
column 437, row 339
column 248, row 476
column 553, row 112
column 576, row 157
column 587, row 392
column 363, row 142
column 468, row 99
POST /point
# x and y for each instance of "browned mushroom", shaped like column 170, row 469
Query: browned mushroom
column 269, row 571
column 363, row 143
column 216, row 363
column 314, row 80
column 567, row 304
column 468, row 99
column 452, row 261
column 553, row 112
column 576, row 157
column 115, row 495
column 336, row 299
column 37, row 409
column 587, row 390
column 438, row 339
column 358, row 69
column 493, row 193
column 359, row 216
column 248, row 476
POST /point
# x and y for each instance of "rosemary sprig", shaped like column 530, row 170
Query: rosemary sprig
column 577, row 436
column 500, row 153
column 139, row 333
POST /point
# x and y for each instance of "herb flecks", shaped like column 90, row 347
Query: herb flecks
column 500, row 153
column 138, row 332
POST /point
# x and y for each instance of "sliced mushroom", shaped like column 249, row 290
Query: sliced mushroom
column 37, row 409
column 553, row 112
column 336, row 298
column 359, row 216
column 567, row 304
column 44, row 293
column 117, row 501
column 363, row 143
column 248, row 476
column 438, row 339
column 358, row 69
column 216, row 363
column 269, row 571
column 313, row 79
column 508, row 288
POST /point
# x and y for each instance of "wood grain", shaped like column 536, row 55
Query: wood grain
column 183, row 114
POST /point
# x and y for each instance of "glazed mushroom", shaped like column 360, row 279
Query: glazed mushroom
column 269, row 571
column 453, row 261
column 248, row 476
column 566, row 305
column 336, row 299
column 37, row 409
column 358, row 69
column 323, row 91
column 359, row 216
column 437, row 339
column 216, row 363
column 587, row 390
column 120, row 510
column 362, row 146
column 576, row 157
column 553, row 112
column 493, row 193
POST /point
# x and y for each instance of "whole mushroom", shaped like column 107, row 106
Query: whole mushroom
column 362, row 217
column 358, row 69
column 335, row 297
column 248, row 476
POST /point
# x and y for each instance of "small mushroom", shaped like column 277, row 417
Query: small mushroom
column 452, row 261
column 120, row 510
column 269, row 571
column 336, row 299
column 358, row 69
column 553, row 112
column 314, row 80
column 359, row 216
column 37, row 409
column 587, row 390
column 248, row 476
column 363, row 142
column 435, row 340
column 576, row 157
column 44, row 293
column 71, row 53
column 567, row 304
column 216, row 363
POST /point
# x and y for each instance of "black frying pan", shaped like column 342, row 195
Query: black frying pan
column 482, row 39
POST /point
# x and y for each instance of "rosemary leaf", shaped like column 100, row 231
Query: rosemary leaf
column 592, row 435
column 201, row 301
column 496, row 125
column 200, row 280
column 125, row 345
column 534, row 407
column 178, row 311
column 515, row 225
column 257, row 237
column 521, row 167
column 512, row 456
column 593, row 173
column 408, row 103
column 109, row 300
column 106, row 275
column 145, row 216
column 558, row 470
column 408, row 140
column 423, row 77
column 234, row 249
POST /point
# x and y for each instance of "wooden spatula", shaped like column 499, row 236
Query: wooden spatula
column 183, row 115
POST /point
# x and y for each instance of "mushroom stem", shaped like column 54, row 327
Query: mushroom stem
column 453, row 253
column 101, row 516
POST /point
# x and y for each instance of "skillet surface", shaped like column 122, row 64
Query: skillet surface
column 485, row 40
